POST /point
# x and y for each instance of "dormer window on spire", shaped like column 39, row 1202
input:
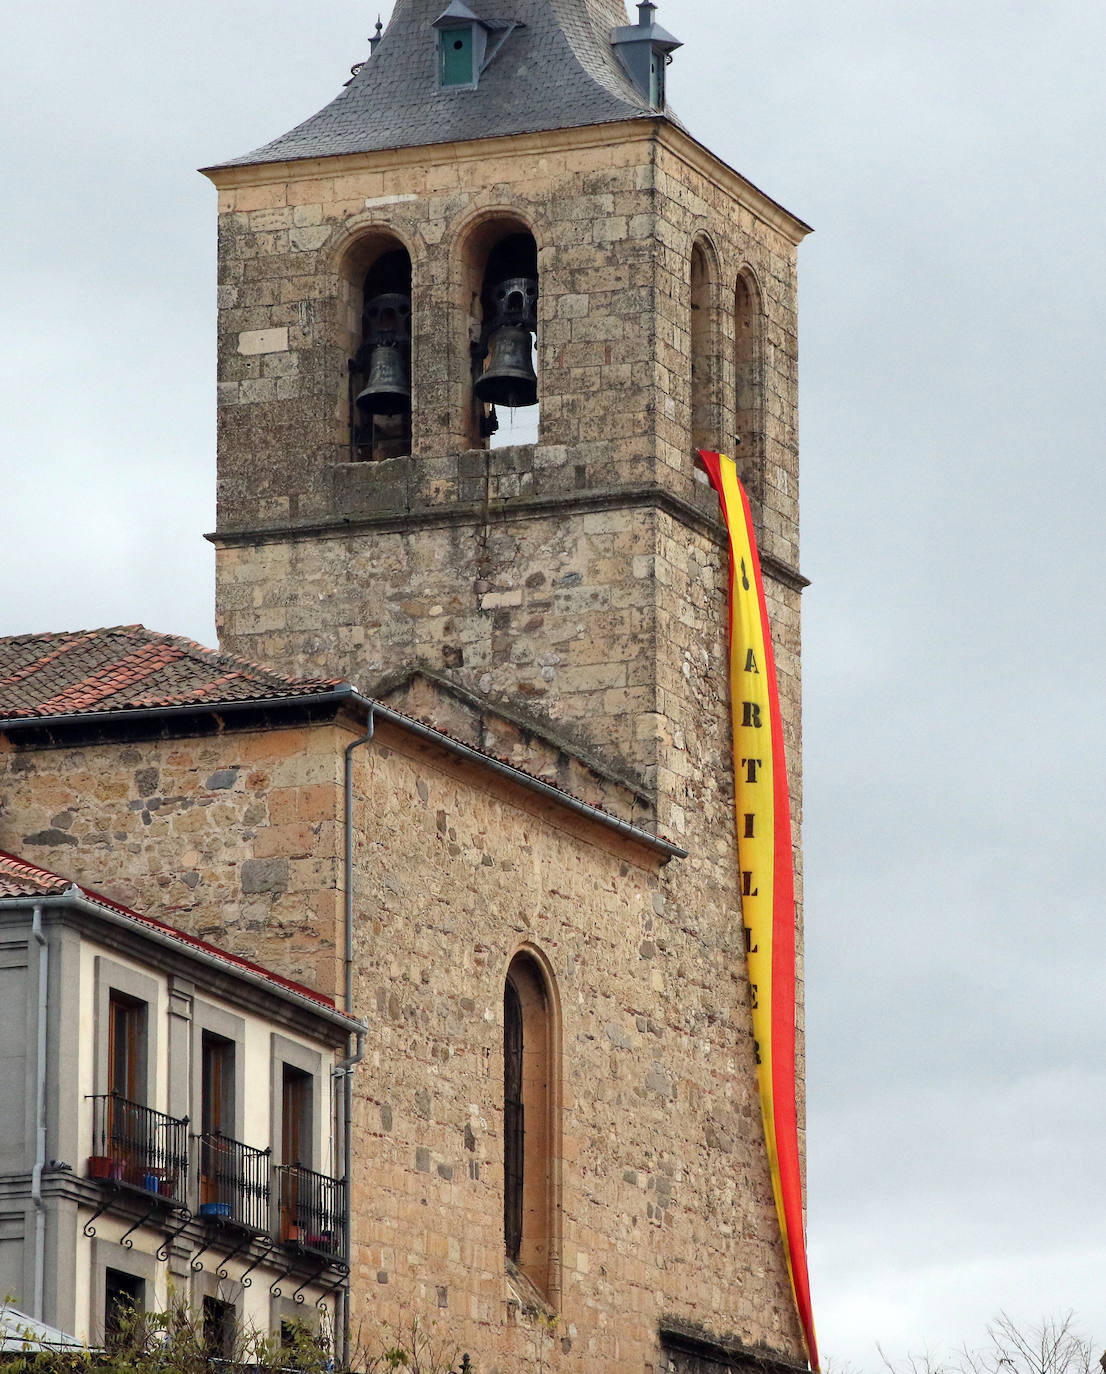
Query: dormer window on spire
column 644, row 50
column 466, row 44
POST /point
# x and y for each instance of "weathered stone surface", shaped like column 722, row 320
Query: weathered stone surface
column 265, row 875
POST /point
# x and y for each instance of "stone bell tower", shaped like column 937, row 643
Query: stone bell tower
column 369, row 527
column 501, row 216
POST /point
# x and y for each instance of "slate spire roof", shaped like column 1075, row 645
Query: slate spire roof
column 556, row 70
column 127, row 668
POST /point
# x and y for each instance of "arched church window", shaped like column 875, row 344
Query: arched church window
column 749, row 380
column 530, row 1123
column 504, row 347
column 514, row 1122
column 705, row 367
column 380, row 371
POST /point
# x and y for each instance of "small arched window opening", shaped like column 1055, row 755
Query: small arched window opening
column 503, row 330
column 749, row 381
column 531, row 1149
column 380, row 370
column 705, row 369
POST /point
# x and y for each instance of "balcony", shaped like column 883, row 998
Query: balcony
column 312, row 1211
column 234, row 1183
column 136, row 1147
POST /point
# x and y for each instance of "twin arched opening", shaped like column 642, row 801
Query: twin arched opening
column 711, row 409
column 499, row 268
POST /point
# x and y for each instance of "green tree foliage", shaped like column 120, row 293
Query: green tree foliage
column 176, row 1342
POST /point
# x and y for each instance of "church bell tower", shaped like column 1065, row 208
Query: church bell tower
column 501, row 221
column 501, row 226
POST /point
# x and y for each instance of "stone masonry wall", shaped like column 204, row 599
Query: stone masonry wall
column 511, row 571
column 235, row 838
column 667, row 1202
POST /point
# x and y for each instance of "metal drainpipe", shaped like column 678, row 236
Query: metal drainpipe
column 345, row 1068
column 40, row 1115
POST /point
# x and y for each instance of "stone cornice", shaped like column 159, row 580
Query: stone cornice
column 674, row 139
column 520, row 508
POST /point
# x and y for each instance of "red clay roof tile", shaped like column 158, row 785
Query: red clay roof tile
column 129, row 667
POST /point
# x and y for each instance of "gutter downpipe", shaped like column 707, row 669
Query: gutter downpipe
column 40, row 1115
column 346, row 1067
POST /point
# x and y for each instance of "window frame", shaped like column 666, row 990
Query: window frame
column 529, row 974
column 310, row 1062
column 107, row 1255
column 211, row 1020
column 446, row 42
column 131, row 985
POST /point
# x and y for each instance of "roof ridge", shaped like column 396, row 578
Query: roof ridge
column 31, row 870
column 194, row 649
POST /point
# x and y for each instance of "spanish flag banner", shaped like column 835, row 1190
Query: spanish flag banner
column 763, row 815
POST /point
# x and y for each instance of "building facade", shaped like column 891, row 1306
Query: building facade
column 177, row 1132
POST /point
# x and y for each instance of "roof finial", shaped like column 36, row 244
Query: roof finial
column 645, row 12
column 375, row 39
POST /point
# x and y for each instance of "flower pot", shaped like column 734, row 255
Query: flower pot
column 215, row 1209
column 166, row 1187
column 99, row 1166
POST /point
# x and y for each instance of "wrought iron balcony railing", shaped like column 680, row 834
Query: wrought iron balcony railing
column 136, row 1146
column 234, row 1182
column 312, row 1210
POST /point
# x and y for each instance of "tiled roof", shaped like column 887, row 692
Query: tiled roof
column 555, row 70
column 128, row 668
column 18, row 878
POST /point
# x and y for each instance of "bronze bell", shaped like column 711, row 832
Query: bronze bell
column 387, row 390
column 510, row 379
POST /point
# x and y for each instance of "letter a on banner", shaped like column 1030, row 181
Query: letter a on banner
column 767, row 881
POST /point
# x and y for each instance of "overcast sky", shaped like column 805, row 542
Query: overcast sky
column 950, row 157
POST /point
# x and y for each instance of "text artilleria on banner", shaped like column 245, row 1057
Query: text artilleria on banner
column 767, row 883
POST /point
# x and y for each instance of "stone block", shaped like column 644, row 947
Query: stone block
column 253, row 341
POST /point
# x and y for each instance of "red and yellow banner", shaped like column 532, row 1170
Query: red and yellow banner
column 767, row 880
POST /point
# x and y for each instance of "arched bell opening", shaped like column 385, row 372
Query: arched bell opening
column 380, row 369
column 705, row 359
column 503, row 327
column 749, row 382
